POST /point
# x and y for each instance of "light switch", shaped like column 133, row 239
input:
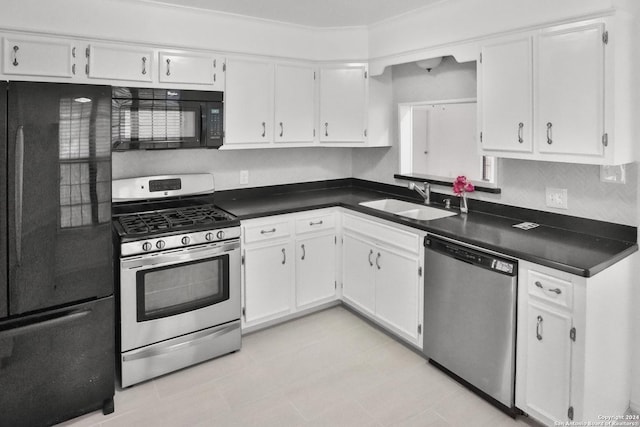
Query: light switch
column 557, row 198
column 244, row 177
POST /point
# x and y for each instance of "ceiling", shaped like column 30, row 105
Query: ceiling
column 314, row 13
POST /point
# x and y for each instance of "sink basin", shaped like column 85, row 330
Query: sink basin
column 408, row 209
column 425, row 213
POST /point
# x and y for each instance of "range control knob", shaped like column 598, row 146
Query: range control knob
column 146, row 246
column 160, row 244
column 185, row 240
column 209, row 237
column 220, row 234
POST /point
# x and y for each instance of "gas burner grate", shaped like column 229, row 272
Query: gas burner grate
column 149, row 222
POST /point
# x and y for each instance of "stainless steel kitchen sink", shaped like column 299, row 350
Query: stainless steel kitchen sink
column 408, row 209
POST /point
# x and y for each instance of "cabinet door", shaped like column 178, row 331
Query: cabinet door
column 120, row 63
column 505, row 88
column 358, row 273
column 294, row 104
column 397, row 286
column 187, row 68
column 249, row 102
column 343, row 104
column 268, row 281
column 570, row 91
column 39, row 57
column 315, row 269
column 548, row 375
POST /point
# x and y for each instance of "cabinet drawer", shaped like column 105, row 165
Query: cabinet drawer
column 550, row 289
column 315, row 223
column 384, row 234
column 266, row 231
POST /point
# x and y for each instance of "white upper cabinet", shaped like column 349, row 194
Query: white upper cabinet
column 559, row 94
column 504, row 80
column 343, row 104
column 294, row 103
column 115, row 62
column 268, row 104
column 248, row 103
column 191, row 68
column 570, row 90
column 45, row 57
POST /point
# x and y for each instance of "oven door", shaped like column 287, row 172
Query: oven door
column 168, row 294
column 142, row 124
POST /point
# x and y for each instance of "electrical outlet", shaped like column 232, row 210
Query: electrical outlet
column 557, row 198
column 244, row 177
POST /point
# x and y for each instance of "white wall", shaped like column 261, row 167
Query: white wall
column 454, row 21
column 156, row 24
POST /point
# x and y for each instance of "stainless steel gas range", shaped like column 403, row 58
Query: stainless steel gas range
column 179, row 275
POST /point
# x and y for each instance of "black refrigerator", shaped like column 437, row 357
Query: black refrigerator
column 56, row 276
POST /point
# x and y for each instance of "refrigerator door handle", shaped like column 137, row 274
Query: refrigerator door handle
column 19, row 190
column 61, row 318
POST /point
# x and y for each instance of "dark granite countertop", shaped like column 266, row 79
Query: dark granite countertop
column 556, row 244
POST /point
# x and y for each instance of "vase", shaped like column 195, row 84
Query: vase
column 463, row 203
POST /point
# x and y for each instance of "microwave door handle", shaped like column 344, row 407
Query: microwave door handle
column 19, row 177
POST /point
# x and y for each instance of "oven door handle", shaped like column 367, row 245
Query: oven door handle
column 181, row 255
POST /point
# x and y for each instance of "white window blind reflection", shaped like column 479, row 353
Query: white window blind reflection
column 84, row 153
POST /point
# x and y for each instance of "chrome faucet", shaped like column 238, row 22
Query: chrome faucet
column 425, row 191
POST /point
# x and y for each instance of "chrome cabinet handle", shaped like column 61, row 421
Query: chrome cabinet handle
column 378, row 261
column 168, row 67
column 311, row 223
column 370, row 253
column 15, row 56
column 19, row 177
column 557, row 291
column 281, row 129
column 326, row 129
column 264, row 129
column 520, row 128
column 304, row 253
column 284, row 256
column 273, row 230
column 144, row 65
column 73, row 69
column 539, row 328
column 549, row 140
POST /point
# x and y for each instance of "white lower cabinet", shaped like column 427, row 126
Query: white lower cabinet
column 358, row 280
column 573, row 351
column 548, row 360
column 382, row 275
column 267, row 283
column 289, row 265
column 315, row 269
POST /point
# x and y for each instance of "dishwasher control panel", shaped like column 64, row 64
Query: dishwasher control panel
column 472, row 256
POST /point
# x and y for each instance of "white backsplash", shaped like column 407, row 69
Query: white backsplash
column 266, row 167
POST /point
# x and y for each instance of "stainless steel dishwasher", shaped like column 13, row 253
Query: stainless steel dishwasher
column 470, row 317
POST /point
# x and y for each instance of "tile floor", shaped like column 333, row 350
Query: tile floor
column 330, row 368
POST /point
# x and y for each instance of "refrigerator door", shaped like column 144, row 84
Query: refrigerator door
column 59, row 194
column 57, row 365
column 3, row 200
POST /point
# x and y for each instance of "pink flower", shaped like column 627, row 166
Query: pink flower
column 461, row 185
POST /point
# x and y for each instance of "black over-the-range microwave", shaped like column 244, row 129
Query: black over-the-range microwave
column 156, row 119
